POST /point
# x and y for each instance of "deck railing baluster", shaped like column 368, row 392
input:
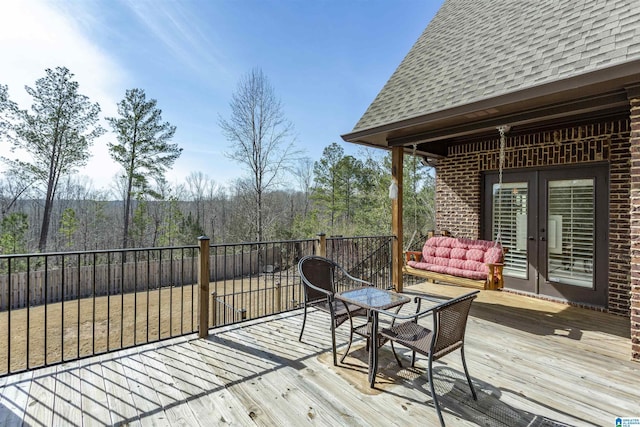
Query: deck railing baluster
column 250, row 280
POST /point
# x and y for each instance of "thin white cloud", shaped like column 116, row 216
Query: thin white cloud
column 35, row 35
column 179, row 28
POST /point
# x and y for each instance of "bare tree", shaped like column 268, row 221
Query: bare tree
column 14, row 187
column 261, row 137
column 197, row 184
column 56, row 133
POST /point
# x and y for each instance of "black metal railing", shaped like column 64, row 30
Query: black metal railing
column 365, row 257
column 58, row 307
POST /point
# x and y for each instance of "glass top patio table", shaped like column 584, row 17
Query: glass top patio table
column 373, row 299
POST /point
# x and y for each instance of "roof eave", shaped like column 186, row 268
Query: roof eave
column 602, row 81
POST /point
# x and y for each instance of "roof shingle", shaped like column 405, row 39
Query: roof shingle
column 478, row 49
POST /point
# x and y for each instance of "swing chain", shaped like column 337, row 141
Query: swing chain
column 415, row 196
column 503, row 131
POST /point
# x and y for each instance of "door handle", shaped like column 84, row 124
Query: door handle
column 542, row 239
column 531, row 238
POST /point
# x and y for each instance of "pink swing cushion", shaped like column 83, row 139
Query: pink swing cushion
column 459, row 257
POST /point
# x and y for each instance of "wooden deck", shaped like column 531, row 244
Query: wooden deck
column 534, row 363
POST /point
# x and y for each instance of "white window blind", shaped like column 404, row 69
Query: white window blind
column 570, row 235
column 510, row 220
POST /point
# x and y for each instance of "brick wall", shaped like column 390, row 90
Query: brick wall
column 635, row 228
column 459, row 185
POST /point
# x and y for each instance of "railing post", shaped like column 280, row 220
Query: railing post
column 278, row 297
column 213, row 310
column 322, row 245
column 203, row 285
column 397, row 262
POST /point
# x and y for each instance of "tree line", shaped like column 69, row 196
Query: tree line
column 46, row 206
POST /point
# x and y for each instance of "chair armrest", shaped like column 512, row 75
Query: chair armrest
column 431, row 298
column 419, row 313
column 414, row 316
column 412, row 256
column 360, row 282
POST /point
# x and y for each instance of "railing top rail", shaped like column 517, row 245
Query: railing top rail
column 98, row 251
column 261, row 243
column 360, row 237
column 165, row 248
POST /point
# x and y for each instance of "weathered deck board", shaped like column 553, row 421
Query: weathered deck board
column 532, row 362
column 169, row 395
column 95, row 404
column 178, row 359
column 42, row 397
column 15, row 395
column 122, row 404
column 67, row 409
column 239, row 377
column 144, row 393
column 288, row 398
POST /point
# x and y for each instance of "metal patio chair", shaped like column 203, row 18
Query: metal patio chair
column 449, row 325
column 319, row 278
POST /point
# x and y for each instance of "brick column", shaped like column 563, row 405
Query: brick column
column 634, row 100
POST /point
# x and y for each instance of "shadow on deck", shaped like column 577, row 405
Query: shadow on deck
column 534, row 363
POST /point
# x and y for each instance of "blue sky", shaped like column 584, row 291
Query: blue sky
column 326, row 59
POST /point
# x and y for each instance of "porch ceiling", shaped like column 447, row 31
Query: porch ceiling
column 599, row 94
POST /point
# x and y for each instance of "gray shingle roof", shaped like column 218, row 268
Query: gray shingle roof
column 479, row 49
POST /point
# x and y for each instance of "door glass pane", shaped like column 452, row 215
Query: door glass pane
column 570, row 235
column 510, row 221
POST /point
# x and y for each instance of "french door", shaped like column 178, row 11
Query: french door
column 554, row 223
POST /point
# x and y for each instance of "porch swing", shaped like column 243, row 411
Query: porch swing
column 461, row 261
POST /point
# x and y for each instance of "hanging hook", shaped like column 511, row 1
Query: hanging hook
column 504, row 129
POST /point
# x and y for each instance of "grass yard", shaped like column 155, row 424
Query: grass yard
column 73, row 329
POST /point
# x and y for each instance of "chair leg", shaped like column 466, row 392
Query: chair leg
column 333, row 342
column 395, row 354
column 304, row 321
column 350, row 340
column 466, row 371
column 433, row 392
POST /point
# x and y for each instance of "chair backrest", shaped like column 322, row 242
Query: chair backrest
column 450, row 323
column 319, row 273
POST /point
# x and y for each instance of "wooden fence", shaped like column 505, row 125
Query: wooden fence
column 19, row 289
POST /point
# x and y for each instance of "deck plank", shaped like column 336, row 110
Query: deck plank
column 122, row 405
column 41, row 397
column 95, row 404
column 239, row 372
column 184, row 364
column 142, row 390
column 15, row 396
column 67, row 409
column 169, row 396
column 292, row 394
column 533, row 362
